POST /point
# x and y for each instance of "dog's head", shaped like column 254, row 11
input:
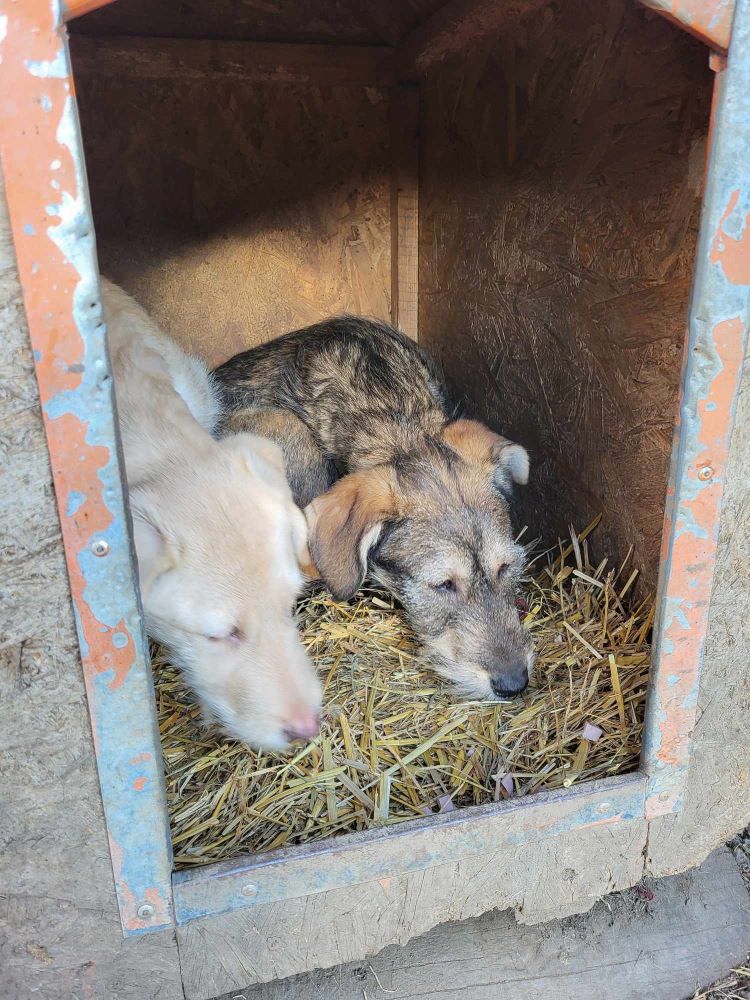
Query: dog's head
column 434, row 528
column 221, row 552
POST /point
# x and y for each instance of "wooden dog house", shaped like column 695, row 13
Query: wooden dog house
column 519, row 186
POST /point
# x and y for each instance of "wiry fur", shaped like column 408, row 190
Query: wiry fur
column 218, row 538
column 423, row 499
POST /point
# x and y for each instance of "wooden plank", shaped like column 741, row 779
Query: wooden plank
column 349, row 925
column 554, row 873
column 253, row 880
column 453, row 29
column 405, row 209
column 660, row 940
column 263, row 62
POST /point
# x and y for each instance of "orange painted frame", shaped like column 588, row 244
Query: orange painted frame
column 50, row 214
column 708, row 20
column 53, row 234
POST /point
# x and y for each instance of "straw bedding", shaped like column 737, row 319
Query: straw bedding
column 397, row 742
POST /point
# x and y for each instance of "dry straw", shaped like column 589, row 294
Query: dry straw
column 397, row 743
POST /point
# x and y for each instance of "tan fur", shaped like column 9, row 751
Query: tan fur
column 478, row 445
column 218, row 538
column 344, row 524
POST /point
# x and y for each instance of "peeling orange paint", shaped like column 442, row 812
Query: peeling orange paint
column 37, row 120
column 161, row 913
column 693, row 553
column 733, row 253
column 49, row 281
column 75, row 462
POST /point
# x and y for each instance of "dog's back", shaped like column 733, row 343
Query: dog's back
column 156, row 383
column 364, row 391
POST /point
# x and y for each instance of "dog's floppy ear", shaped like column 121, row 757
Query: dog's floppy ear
column 346, row 522
column 301, row 543
column 156, row 554
column 477, row 444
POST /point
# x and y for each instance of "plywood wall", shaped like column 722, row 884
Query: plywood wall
column 236, row 211
column 559, row 189
column 559, row 202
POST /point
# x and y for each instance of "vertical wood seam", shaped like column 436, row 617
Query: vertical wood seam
column 404, row 116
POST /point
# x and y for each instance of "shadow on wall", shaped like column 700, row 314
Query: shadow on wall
column 559, row 200
column 236, row 212
column 560, row 172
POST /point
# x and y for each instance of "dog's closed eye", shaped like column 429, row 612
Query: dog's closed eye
column 236, row 635
column 446, row 586
column 502, row 570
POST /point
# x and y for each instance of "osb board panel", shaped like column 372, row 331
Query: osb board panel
column 342, row 21
column 237, row 211
column 560, row 176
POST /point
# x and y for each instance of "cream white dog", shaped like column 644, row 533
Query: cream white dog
column 221, row 546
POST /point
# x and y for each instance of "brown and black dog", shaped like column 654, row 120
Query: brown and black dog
column 389, row 481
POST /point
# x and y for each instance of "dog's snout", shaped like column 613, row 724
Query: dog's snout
column 304, row 726
column 510, row 682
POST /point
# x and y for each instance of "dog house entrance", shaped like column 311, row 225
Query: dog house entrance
column 526, row 204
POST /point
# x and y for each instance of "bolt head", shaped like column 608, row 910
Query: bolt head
column 145, row 911
column 250, row 889
column 100, row 547
column 705, row 473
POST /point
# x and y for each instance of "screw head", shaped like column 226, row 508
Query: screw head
column 100, row 547
column 145, row 911
column 250, row 889
column 705, row 473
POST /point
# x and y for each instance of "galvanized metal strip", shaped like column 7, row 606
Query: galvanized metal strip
column 53, row 233
column 395, row 850
column 717, row 337
column 708, row 20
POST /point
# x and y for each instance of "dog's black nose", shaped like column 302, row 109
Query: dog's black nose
column 510, row 683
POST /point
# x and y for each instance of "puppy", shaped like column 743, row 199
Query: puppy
column 221, row 545
column 422, row 500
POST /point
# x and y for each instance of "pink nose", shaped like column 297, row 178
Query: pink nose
column 302, row 727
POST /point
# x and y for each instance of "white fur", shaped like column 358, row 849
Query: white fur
column 517, row 460
column 189, row 375
column 218, row 539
